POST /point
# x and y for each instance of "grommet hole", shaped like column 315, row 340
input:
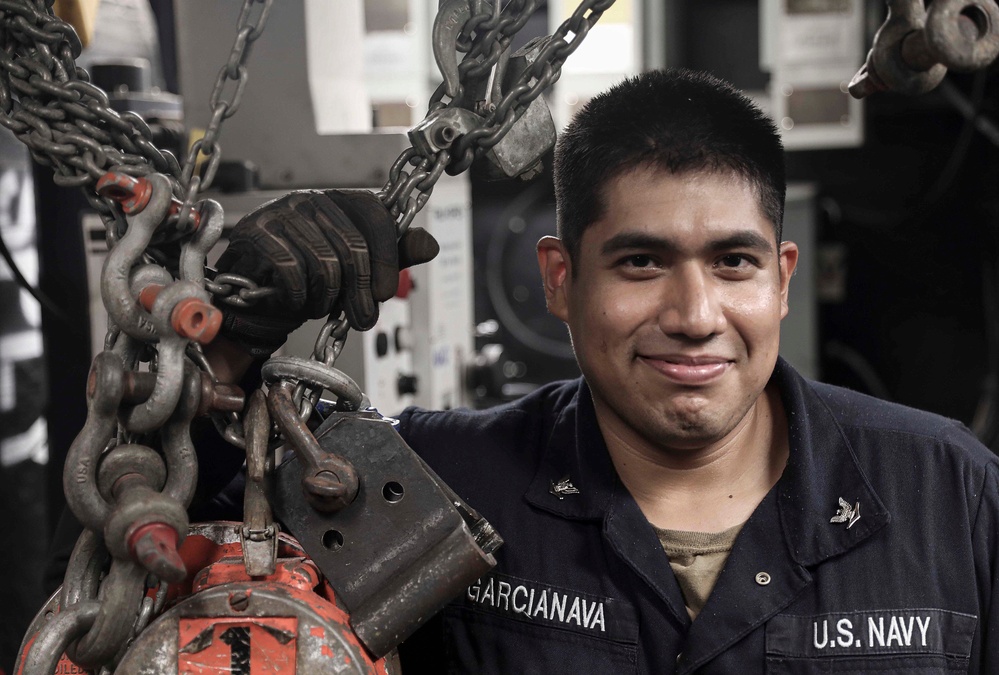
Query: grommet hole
column 393, row 492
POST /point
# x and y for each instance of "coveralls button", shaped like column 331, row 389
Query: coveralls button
column 762, row 578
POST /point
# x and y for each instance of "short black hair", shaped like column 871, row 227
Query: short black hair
column 675, row 120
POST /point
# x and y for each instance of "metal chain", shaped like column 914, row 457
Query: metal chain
column 68, row 124
column 236, row 290
column 51, row 106
column 543, row 73
column 329, row 343
column 485, row 38
column 227, row 94
column 249, row 27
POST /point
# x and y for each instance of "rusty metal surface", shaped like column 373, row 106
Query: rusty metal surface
column 44, row 649
column 327, row 482
column 288, row 618
column 293, row 631
column 259, row 533
column 401, row 550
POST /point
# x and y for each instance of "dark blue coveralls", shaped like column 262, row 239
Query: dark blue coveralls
column 904, row 582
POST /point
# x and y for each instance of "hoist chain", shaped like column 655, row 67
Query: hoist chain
column 51, row 106
column 132, row 470
column 249, row 27
column 236, row 290
column 485, row 37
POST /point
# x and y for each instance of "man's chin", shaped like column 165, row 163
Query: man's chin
column 688, row 432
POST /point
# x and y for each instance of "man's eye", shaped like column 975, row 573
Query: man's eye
column 638, row 261
column 735, row 260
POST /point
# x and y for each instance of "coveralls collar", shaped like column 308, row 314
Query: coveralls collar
column 821, row 469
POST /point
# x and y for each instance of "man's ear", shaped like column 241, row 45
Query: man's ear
column 556, row 273
column 788, row 262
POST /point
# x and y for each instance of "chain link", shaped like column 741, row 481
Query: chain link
column 329, row 343
column 223, row 102
column 484, row 38
column 236, row 290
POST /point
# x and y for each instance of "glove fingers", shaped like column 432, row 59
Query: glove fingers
column 377, row 226
column 352, row 251
column 416, row 247
column 322, row 265
column 263, row 254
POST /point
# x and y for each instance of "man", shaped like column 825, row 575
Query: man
column 691, row 503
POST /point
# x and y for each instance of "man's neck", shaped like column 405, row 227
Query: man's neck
column 712, row 488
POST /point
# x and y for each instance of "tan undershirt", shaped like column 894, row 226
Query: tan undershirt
column 697, row 558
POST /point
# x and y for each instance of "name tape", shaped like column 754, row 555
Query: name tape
column 534, row 602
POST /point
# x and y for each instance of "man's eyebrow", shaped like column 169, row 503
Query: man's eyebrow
column 636, row 240
column 626, row 241
column 746, row 239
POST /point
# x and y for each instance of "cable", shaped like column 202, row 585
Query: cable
column 44, row 300
column 984, row 422
column 969, row 109
column 861, row 367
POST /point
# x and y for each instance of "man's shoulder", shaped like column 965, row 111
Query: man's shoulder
column 530, row 415
column 542, row 401
column 861, row 414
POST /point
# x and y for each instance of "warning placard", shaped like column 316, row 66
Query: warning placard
column 237, row 646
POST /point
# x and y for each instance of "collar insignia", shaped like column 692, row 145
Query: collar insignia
column 846, row 513
column 563, row 487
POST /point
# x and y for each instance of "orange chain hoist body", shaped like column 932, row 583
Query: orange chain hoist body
column 220, row 621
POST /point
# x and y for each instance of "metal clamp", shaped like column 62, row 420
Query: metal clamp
column 329, row 482
column 963, row 34
column 104, row 394
column 115, row 287
column 402, row 549
column 144, row 525
column 196, row 314
column 451, row 18
column 259, row 534
column 193, row 254
column 178, row 449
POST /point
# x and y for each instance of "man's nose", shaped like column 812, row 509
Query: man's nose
column 691, row 305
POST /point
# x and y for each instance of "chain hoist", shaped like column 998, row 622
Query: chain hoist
column 131, row 472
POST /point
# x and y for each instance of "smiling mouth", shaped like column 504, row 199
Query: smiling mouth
column 690, row 371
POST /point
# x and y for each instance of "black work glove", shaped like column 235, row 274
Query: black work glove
column 324, row 251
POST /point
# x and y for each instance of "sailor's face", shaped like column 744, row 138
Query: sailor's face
column 675, row 307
